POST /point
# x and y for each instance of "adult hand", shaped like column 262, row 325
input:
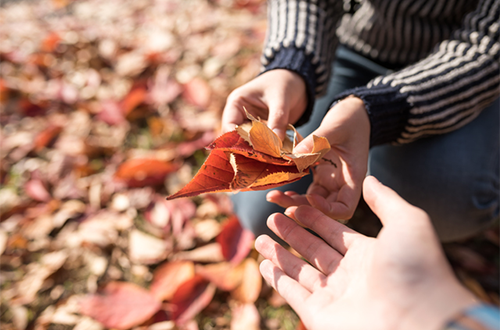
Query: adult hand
column 337, row 183
column 399, row 280
column 278, row 96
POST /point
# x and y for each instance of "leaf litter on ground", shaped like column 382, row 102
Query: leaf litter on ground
column 105, row 109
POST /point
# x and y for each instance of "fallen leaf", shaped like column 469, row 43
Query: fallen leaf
column 134, row 98
column 216, row 174
column 236, row 241
column 47, row 137
column 50, row 42
column 4, row 237
column 186, row 149
column 111, row 113
column 35, row 189
column 207, row 253
column 261, row 138
column 233, row 142
column 245, row 317
column 169, row 276
column 146, row 249
column 191, row 298
column 33, row 281
column 224, row 275
column 197, row 92
column 254, row 175
column 249, row 289
column 144, row 172
column 120, row 305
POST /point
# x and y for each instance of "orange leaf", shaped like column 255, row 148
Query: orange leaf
column 252, row 157
column 249, row 289
column 120, row 305
column 46, row 137
column 168, row 277
column 215, row 175
column 254, row 175
column 236, row 242
column 262, row 138
column 142, row 172
column 233, row 142
column 135, row 97
column 50, row 42
column 320, row 147
column 223, row 274
column 191, row 298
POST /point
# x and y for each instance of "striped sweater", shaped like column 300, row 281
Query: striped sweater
column 444, row 55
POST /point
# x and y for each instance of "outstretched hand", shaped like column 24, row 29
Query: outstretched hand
column 399, row 280
column 337, row 181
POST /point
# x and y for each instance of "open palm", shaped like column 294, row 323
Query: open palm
column 337, row 180
column 400, row 280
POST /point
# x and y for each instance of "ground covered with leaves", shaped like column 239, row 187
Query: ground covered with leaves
column 106, row 107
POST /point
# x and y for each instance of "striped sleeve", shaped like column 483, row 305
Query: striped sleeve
column 442, row 92
column 301, row 38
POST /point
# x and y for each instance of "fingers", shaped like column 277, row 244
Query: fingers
column 288, row 288
column 231, row 117
column 390, row 207
column 286, row 199
column 335, row 191
column 296, row 268
column 312, row 248
column 334, row 233
column 278, row 117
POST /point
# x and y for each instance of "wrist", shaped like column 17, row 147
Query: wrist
column 346, row 118
column 438, row 307
column 482, row 316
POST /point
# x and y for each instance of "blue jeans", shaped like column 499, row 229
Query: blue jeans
column 454, row 177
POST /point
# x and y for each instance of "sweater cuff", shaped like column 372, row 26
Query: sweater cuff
column 387, row 109
column 296, row 60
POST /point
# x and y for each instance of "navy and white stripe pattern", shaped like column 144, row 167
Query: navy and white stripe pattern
column 449, row 48
column 308, row 26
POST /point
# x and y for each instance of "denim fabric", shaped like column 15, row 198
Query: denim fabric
column 454, row 177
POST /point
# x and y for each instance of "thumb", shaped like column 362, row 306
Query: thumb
column 278, row 118
column 305, row 146
column 391, row 208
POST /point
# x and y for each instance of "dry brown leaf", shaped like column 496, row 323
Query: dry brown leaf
column 146, row 249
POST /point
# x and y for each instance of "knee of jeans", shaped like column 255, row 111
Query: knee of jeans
column 463, row 220
column 253, row 213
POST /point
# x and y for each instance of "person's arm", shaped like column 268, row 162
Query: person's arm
column 442, row 92
column 301, row 37
column 399, row 280
column 296, row 61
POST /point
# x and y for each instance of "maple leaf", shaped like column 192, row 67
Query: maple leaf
column 252, row 157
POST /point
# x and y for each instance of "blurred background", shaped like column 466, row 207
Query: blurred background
column 105, row 109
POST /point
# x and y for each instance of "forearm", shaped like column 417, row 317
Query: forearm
column 301, row 38
column 442, row 92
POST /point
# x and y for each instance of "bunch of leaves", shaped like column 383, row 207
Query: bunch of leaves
column 252, row 157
